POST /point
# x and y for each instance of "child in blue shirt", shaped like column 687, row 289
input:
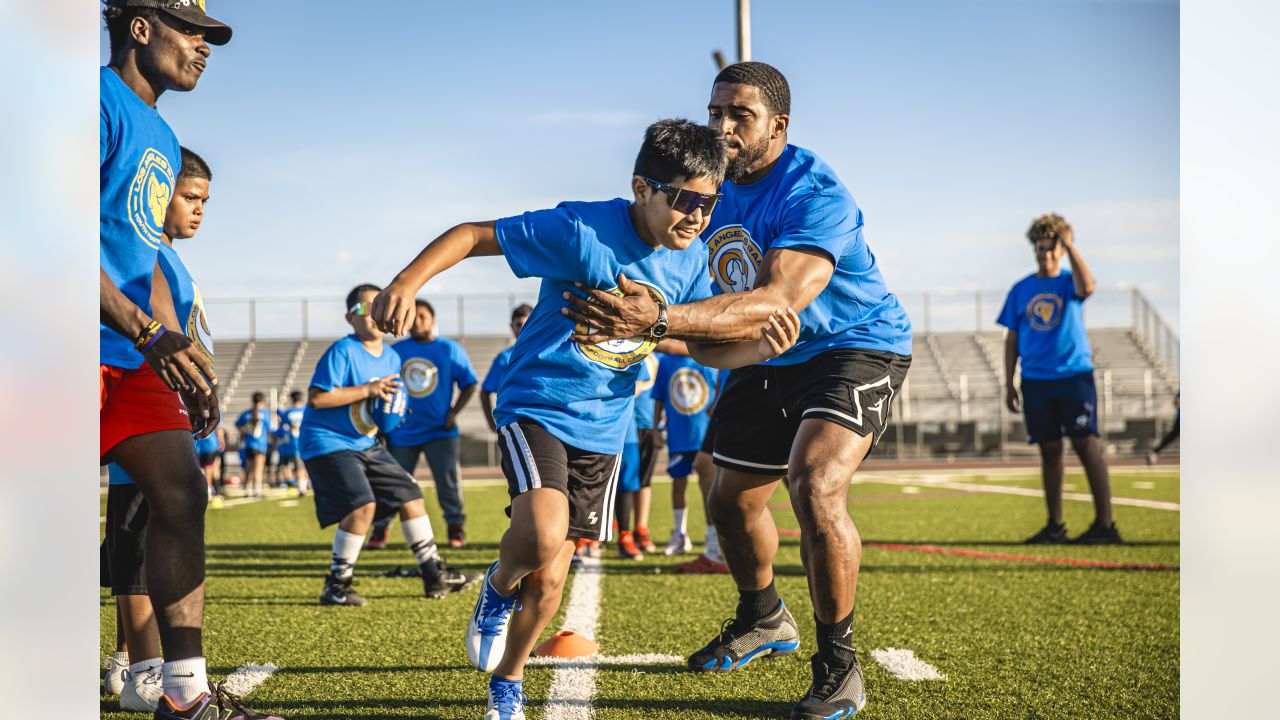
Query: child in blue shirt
column 498, row 368
column 564, row 406
column 683, row 393
column 255, row 426
column 287, row 432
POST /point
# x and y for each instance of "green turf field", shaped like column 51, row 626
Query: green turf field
column 1014, row 639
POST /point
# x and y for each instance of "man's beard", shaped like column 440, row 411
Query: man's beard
column 748, row 155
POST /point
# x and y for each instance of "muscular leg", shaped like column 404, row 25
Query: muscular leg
column 540, row 594
column 679, row 491
column 1089, row 450
column 539, row 526
column 1051, row 471
column 138, row 623
column 163, row 464
column 739, row 506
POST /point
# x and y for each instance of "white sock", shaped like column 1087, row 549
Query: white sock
column 713, row 544
column 121, row 658
column 680, row 513
column 421, row 539
column 146, row 666
column 184, row 680
column 346, row 548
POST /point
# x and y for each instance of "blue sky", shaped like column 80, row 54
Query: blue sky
column 343, row 137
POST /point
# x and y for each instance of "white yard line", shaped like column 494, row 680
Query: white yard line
column 248, row 677
column 904, row 665
column 643, row 659
column 1026, row 492
column 575, row 683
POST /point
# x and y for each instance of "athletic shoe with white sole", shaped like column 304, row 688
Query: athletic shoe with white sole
column 142, row 692
column 217, row 704
column 836, row 692
column 486, row 637
column 339, row 592
column 114, row 678
column 506, row 700
column 679, row 544
column 439, row 580
column 741, row 642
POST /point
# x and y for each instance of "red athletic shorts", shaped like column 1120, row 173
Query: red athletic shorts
column 135, row 402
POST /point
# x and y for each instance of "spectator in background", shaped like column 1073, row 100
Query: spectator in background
column 684, row 392
column 290, row 426
column 1046, row 330
column 1170, row 436
column 255, row 426
column 493, row 379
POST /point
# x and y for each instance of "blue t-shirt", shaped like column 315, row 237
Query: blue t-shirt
column 802, row 205
column 687, row 391
column 430, row 371
column 1046, row 314
column 138, row 164
column 498, row 368
column 582, row 394
column 208, row 444
column 348, row 427
column 257, row 426
column 290, row 428
column 644, row 394
column 187, row 300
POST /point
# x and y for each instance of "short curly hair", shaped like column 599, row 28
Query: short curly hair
column 773, row 86
column 1049, row 225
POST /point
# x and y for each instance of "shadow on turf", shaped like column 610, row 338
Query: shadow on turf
column 394, row 708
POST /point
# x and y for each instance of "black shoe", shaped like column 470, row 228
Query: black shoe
column 741, row 642
column 339, row 592
column 836, row 692
column 1099, row 535
column 1051, row 534
column 439, row 580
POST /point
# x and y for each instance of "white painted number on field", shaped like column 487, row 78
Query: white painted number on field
column 904, row 665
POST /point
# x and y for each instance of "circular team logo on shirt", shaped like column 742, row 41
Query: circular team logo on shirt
column 643, row 386
column 734, row 258
column 1045, row 311
column 689, row 391
column 622, row 353
column 149, row 195
column 420, row 377
column 362, row 416
column 198, row 325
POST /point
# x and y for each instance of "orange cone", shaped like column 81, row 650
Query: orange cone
column 567, row 644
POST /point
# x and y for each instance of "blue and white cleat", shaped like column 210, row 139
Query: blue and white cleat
column 506, row 699
column 740, row 642
column 487, row 632
column 837, row 691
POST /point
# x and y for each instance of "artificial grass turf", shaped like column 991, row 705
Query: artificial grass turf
column 1015, row 640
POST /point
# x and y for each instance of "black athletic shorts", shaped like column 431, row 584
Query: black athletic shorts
column 123, row 568
column 347, row 479
column 534, row 458
column 650, row 440
column 709, row 439
column 760, row 412
column 207, row 459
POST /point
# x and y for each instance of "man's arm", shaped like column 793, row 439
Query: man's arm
column 1080, row 275
column 778, row 335
column 1011, row 399
column 486, row 402
column 788, row 279
column 464, row 397
column 394, row 307
column 384, row 388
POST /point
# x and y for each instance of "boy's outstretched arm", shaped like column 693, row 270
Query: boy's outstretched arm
column 778, row 335
column 393, row 308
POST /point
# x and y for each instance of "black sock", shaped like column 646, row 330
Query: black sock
column 756, row 604
column 622, row 510
column 836, row 640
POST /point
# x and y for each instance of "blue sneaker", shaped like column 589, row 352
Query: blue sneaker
column 506, row 699
column 740, row 642
column 837, row 690
column 487, row 632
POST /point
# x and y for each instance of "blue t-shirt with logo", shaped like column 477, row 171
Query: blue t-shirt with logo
column 1046, row 314
column 139, row 160
column 802, row 205
column 187, row 300
column 498, row 368
column 349, row 427
column 257, row 427
column 289, row 428
column 582, row 394
column 687, row 392
column 644, row 394
column 430, row 371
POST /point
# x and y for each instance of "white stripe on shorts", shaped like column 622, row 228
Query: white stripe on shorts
column 606, row 522
column 521, row 478
column 535, row 479
column 718, row 456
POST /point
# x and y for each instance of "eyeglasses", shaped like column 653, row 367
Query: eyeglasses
column 359, row 309
column 685, row 201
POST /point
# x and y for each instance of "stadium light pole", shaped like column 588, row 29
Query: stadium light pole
column 744, row 37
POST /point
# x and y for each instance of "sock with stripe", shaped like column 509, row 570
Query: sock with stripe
column 184, row 681
column 421, row 539
column 145, row 666
column 346, row 548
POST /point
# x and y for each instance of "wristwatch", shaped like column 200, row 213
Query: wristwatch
column 658, row 330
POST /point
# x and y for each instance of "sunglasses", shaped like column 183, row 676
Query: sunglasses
column 684, row 201
column 359, row 309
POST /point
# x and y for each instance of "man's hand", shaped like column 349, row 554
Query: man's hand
column 781, row 334
column 384, row 388
column 1011, row 399
column 450, row 420
column 611, row 316
column 203, row 410
column 180, row 364
column 393, row 309
column 1067, row 238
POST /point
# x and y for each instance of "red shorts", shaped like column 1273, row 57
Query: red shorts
column 135, row 402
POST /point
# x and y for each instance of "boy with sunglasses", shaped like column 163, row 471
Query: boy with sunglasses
column 563, row 406
column 355, row 479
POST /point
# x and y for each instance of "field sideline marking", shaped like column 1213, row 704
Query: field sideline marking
column 248, row 677
column 574, row 684
column 1025, row 492
column 642, row 659
column 904, row 665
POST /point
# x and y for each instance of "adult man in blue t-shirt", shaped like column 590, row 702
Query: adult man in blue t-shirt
column 433, row 367
column 564, row 406
column 1045, row 322
column 789, row 234
column 498, row 368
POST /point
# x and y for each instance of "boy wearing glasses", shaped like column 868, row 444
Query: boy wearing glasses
column 564, row 406
column 355, row 479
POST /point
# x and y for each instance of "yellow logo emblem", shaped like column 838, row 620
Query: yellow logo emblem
column 420, row 377
column 622, row 353
column 362, row 417
column 689, row 391
column 198, row 325
column 1044, row 311
column 734, row 258
column 149, row 195
column 642, row 385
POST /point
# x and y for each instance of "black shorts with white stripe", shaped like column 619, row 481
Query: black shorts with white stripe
column 534, row 458
column 760, row 412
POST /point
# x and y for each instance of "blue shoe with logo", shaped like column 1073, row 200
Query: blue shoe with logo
column 487, row 632
column 506, row 699
column 740, row 642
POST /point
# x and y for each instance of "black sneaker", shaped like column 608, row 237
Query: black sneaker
column 1051, row 534
column 1099, row 535
column 836, row 692
column 740, row 642
column 439, row 580
column 339, row 592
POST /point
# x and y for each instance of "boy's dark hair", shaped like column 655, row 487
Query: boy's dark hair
column 118, row 20
column 1050, row 225
column 773, row 86
column 680, row 148
column 354, row 296
column 295, row 396
column 258, row 396
column 194, row 166
column 419, row 302
column 523, row 310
